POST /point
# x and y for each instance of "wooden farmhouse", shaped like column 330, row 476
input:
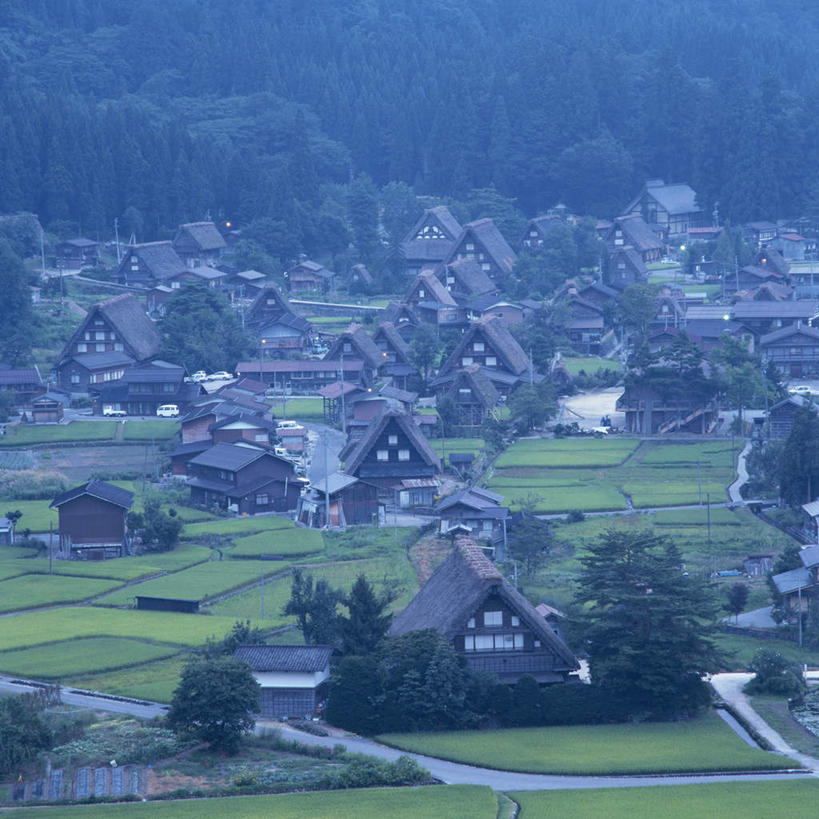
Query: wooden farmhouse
column 466, row 280
column 430, row 240
column 626, row 267
column 762, row 317
column 92, row 521
column 291, row 678
column 355, row 343
column 632, row 231
column 395, row 456
column 781, row 415
column 351, row 502
column 199, row 244
column 23, row 385
column 489, row 344
column 672, row 207
column 481, row 241
column 478, row 510
column 494, row 627
column 150, row 264
column 474, row 395
column 278, row 329
column 403, row 318
column 114, row 335
column 73, row 254
column 432, row 302
column 536, row 231
column 305, row 376
column 309, row 277
column 396, row 353
column 794, row 350
column 243, row 478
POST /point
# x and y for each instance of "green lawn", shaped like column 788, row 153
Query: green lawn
column 33, row 590
column 36, row 514
column 703, row 744
column 57, row 661
column 20, row 435
column 147, row 681
column 740, row 649
column 160, row 429
column 339, row 575
column 592, row 474
column 200, row 582
column 304, row 408
column 473, row 445
column 588, row 364
column 439, row 801
column 235, row 526
column 39, row 627
column 283, row 541
column 738, row 800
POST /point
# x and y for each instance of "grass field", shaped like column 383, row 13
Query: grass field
column 54, row 625
column 594, row 474
column 304, row 408
column 473, row 445
column 235, row 526
column 33, row 590
column 340, row 575
column 58, row 661
column 36, row 514
column 199, row 582
column 21, row 435
column 153, row 430
column 704, row 744
column 588, row 364
column 440, row 801
column 148, row 681
column 282, row 541
column 738, row 800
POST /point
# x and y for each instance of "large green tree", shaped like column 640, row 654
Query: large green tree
column 799, row 462
column 200, row 330
column 648, row 625
column 315, row 607
column 16, row 314
column 215, row 702
column 368, row 618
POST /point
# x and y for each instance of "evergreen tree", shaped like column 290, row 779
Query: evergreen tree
column 368, row 620
column 799, row 463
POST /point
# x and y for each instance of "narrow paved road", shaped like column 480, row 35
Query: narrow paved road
column 742, row 476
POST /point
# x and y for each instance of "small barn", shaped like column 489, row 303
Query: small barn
column 92, row 523
column 292, row 678
column 6, row 532
column 350, row 502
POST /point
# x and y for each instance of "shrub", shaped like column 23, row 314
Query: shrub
column 31, row 484
column 575, row 516
column 774, row 675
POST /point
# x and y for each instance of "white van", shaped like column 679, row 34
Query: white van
column 288, row 425
column 167, row 411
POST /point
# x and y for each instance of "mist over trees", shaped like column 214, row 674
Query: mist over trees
column 158, row 113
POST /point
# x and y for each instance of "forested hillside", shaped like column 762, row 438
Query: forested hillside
column 160, row 110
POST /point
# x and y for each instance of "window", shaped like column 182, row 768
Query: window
column 82, row 348
column 450, row 280
column 403, row 454
column 493, row 618
column 75, row 379
column 478, row 346
column 174, row 285
column 533, row 233
column 470, row 623
column 486, row 267
column 100, row 347
column 470, row 246
column 537, row 644
column 382, row 455
column 392, row 440
column 515, row 620
column 465, row 391
column 99, row 335
column 118, row 347
column 262, row 500
column 87, row 336
column 487, row 527
column 469, row 643
column 421, row 293
column 484, row 642
column 466, row 360
column 491, row 361
column 348, row 348
column 481, row 257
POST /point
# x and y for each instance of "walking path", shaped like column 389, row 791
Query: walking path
column 742, row 476
column 729, row 686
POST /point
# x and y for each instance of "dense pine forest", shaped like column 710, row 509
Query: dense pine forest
column 158, row 112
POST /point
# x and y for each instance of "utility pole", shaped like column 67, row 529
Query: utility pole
column 116, row 239
column 443, row 441
column 341, row 384
column 712, row 550
column 262, row 574
column 50, row 547
column 699, row 482
column 531, row 369
column 42, row 252
column 326, row 487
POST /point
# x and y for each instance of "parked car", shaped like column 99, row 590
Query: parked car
column 199, row 375
column 220, row 375
column 113, row 413
column 167, row 411
column 288, row 425
column 800, row 389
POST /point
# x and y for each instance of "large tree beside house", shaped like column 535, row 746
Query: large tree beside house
column 648, row 624
column 799, row 461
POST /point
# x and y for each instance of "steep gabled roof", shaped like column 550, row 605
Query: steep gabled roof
column 474, row 377
column 269, row 302
column 636, row 232
column 433, row 289
column 486, row 232
column 285, row 658
column 313, row 267
column 399, row 313
column 675, row 199
column 160, row 258
column 473, row 497
column 456, row 590
column 361, row 341
column 96, row 489
column 205, row 235
column 376, row 427
column 360, row 271
column 469, row 276
column 502, row 341
column 436, row 244
column 394, row 339
column 786, row 332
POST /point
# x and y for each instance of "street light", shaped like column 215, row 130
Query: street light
column 261, row 352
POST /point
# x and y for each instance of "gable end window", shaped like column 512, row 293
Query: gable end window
column 493, row 618
column 382, row 454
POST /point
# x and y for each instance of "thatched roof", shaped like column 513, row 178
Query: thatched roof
column 160, row 259
column 455, row 592
column 493, row 331
column 394, row 339
column 637, row 233
column 363, row 345
column 374, row 430
column 432, row 236
column 469, row 275
column 486, row 233
column 473, row 377
column 204, row 236
column 433, row 290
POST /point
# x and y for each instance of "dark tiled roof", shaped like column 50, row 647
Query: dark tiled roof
column 157, row 372
column 205, row 235
column 309, row 365
column 312, row 267
column 473, row 497
column 456, row 591
column 228, row 456
column 160, row 258
column 805, row 309
column 677, row 198
column 285, row 658
column 468, row 274
column 97, row 489
column 408, row 427
column 356, row 335
column 97, row 361
column 27, row 376
column 786, row 332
